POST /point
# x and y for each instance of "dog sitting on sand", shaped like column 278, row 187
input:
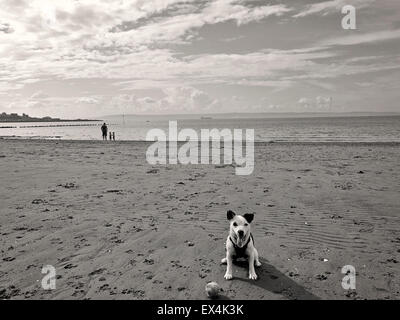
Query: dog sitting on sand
column 240, row 243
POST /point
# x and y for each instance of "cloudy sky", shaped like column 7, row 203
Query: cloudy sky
column 87, row 58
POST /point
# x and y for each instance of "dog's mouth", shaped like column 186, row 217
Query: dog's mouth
column 240, row 239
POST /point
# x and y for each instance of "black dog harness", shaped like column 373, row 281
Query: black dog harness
column 241, row 251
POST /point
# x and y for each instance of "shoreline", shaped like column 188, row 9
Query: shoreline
column 48, row 120
column 256, row 143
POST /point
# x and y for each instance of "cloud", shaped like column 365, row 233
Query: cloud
column 223, row 10
column 88, row 100
column 362, row 38
column 187, row 99
column 148, row 100
column 39, row 95
column 181, row 99
column 6, row 28
column 120, row 49
column 128, row 24
column 66, row 40
column 123, row 103
column 274, row 108
column 173, row 29
column 317, row 104
column 304, row 100
column 332, row 6
column 231, row 39
column 323, row 103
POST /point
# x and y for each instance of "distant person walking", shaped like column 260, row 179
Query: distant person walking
column 104, row 130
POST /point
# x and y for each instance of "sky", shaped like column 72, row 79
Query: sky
column 91, row 58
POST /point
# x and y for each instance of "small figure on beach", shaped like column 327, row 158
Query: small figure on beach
column 104, row 130
column 110, row 135
column 113, row 136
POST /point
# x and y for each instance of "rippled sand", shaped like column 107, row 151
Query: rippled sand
column 116, row 227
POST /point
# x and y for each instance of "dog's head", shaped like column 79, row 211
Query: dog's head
column 239, row 225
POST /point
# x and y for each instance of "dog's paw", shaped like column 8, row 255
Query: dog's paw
column 257, row 264
column 223, row 261
column 228, row 276
column 252, row 276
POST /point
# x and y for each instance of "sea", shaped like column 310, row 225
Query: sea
column 266, row 128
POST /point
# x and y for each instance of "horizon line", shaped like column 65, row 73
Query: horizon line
column 249, row 113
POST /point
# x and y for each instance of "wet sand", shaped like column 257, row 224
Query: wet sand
column 115, row 227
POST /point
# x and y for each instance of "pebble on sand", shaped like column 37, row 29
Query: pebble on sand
column 212, row 290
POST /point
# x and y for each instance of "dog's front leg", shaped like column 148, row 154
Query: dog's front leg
column 252, row 272
column 228, row 273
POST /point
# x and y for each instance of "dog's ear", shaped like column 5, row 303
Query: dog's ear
column 249, row 217
column 230, row 214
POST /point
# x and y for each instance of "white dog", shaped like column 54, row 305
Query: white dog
column 240, row 243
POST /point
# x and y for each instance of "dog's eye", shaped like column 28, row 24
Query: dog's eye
column 246, row 224
column 235, row 224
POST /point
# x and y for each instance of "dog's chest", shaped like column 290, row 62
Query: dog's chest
column 241, row 252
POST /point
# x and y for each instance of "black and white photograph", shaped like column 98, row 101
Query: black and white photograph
column 201, row 150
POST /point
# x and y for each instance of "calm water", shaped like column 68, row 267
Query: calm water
column 349, row 129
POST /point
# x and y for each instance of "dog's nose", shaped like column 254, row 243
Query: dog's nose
column 240, row 233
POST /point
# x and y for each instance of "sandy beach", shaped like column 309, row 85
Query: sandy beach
column 115, row 227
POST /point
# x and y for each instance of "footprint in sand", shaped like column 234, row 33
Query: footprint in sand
column 392, row 260
column 321, row 277
column 148, row 261
column 8, row 293
column 104, row 287
column 9, row 259
column 97, row 271
column 39, row 201
column 68, row 185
